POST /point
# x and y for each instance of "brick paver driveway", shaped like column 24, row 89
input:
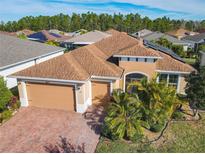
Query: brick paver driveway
column 31, row 129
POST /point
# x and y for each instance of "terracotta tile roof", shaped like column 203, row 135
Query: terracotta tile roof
column 64, row 67
column 79, row 64
column 138, row 50
column 112, row 31
column 112, row 45
column 167, row 63
column 91, row 60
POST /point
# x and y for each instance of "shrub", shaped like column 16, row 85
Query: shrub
column 157, row 127
column 159, row 101
column 124, row 117
column 5, row 115
column 5, row 95
column 177, row 115
column 14, row 103
column 195, row 89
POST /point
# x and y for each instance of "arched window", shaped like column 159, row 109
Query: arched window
column 133, row 77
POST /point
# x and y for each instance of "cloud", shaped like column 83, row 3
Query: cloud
column 186, row 9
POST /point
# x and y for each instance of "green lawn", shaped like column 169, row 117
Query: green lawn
column 190, row 61
column 179, row 137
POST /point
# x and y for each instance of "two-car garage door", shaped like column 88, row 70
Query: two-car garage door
column 51, row 96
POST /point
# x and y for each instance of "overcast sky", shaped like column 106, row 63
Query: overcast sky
column 175, row 9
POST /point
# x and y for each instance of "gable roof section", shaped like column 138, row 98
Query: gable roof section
column 14, row 50
column 90, row 37
column 95, row 65
column 138, row 51
column 112, row 45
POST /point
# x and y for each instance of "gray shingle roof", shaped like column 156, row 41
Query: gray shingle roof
column 14, row 50
column 142, row 33
column 92, row 36
column 195, row 38
column 158, row 35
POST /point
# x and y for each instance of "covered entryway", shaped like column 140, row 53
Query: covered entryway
column 133, row 77
column 100, row 92
column 51, row 96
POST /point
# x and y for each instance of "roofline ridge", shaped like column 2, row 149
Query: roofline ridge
column 74, row 66
column 100, row 59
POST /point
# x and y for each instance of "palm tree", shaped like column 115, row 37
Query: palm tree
column 124, row 116
column 159, row 100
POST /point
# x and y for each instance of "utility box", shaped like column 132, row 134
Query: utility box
column 202, row 58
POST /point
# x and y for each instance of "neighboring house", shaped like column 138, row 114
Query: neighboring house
column 77, row 32
column 180, row 33
column 25, row 32
column 88, row 75
column 157, row 35
column 85, row 39
column 202, row 58
column 56, row 31
column 195, row 40
column 44, row 36
column 17, row 54
column 142, row 33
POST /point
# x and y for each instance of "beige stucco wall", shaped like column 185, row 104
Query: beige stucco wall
column 83, row 93
column 140, row 67
column 80, row 94
column 116, row 84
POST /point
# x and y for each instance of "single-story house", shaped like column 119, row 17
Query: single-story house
column 88, row 75
column 44, row 36
column 25, row 32
column 85, row 39
column 142, row 33
column 180, row 33
column 157, row 35
column 195, row 40
column 17, row 54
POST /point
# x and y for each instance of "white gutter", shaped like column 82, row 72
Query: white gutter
column 173, row 72
column 138, row 56
column 83, row 43
column 41, row 56
column 47, row 79
column 104, row 77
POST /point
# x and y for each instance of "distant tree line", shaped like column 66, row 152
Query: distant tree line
column 91, row 21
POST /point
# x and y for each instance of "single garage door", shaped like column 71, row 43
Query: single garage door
column 51, row 96
column 100, row 92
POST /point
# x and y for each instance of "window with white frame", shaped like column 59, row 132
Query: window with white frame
column 133, row 59
column 169, row 79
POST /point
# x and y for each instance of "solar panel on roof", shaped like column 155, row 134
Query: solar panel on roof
column 162, row 49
